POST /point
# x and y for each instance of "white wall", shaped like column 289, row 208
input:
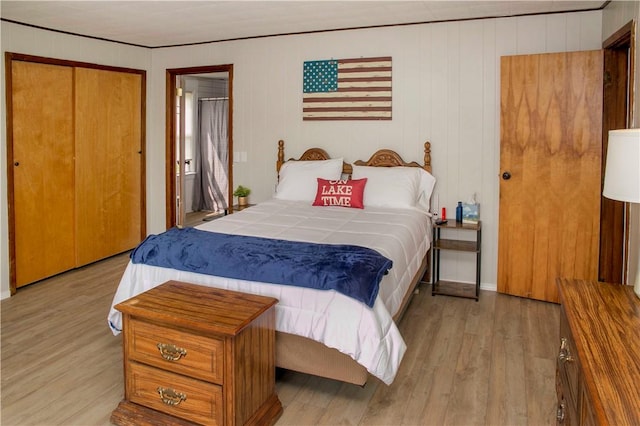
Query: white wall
column 21, row 39
column 445, row 90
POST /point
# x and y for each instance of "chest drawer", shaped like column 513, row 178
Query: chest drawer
column 568, row 366
column 198, row 355
column 176, row 395
column 177, row 351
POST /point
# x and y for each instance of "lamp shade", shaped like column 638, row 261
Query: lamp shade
column 622, row 170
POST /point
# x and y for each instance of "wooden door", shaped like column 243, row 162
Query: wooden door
column 41, row 145
column 550, row 159
column 109, row 196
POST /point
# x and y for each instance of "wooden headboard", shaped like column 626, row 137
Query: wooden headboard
column 381, row 158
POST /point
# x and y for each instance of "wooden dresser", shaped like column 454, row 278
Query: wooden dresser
column 598, row 367
column 194, row 354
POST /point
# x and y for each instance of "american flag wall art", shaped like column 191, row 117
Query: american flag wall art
column 347, row 89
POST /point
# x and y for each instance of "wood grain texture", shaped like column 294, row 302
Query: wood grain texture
column 463, row 361
column 614, row 116
column 381, row 158
column 130, row 414
column 203, row 403
column 551, row 143
column 390, row 158
column 206, row 354
column 226, row 367
column 53, row 338
column 604, row 321
column 43, row 170
column 77, row 155
column 109, row 163
column 212, row 310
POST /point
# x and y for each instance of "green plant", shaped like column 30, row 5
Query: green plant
column 241, row 191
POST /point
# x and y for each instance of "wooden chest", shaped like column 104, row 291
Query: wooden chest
column 598, row 364
column 194, row 354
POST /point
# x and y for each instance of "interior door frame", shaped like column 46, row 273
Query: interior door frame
column 170, row 132
column 618, row 98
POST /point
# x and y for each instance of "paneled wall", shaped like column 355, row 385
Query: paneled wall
column 445, row 89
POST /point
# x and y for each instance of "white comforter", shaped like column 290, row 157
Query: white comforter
column 368, row 335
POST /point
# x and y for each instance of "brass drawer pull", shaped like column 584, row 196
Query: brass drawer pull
column 170, row 396
column 171, row 352
column 565, row 354
column 560, row 413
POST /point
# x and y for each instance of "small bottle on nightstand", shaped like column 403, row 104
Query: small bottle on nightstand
column 459, row 212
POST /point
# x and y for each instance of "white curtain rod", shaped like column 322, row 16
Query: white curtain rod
column 214, row 99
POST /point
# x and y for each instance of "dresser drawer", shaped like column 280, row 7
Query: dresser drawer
column 175, row 350
column 566, row 409
column 176, row 395
column 196, row 354
column 568, row 364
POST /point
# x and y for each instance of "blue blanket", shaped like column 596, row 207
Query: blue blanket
column 351, row 270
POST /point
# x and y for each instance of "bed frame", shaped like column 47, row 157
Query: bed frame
column 308, row 356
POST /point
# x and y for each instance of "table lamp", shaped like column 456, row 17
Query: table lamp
column 622, row 173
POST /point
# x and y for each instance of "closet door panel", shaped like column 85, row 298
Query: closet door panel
column 108, row 163
column 43, row 176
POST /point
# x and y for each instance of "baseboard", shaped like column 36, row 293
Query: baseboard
column 489, row 286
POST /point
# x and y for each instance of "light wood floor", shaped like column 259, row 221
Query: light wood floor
column 198, row 218
column 490, row 362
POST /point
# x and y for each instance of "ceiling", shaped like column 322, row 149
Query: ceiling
column 153, row 23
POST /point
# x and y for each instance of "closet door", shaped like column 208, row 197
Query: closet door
column 550, row 160
column 42, row 171
column 108, row 108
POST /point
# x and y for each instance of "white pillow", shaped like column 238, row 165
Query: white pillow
column 299, row 179
column 399, row 187
column 427, row 183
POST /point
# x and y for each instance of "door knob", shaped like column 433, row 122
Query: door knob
column 506, row 176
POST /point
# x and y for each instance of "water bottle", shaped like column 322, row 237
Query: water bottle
column 459, row 212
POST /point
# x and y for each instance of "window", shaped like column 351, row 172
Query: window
column 189, row 139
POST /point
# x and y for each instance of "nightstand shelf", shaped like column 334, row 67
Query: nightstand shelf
column 453, row 288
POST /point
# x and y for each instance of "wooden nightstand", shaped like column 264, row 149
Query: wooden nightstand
column 198, row 354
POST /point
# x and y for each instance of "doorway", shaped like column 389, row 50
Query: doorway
column 199, row 168
column 618, row 96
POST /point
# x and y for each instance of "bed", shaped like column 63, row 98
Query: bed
column 319, row 332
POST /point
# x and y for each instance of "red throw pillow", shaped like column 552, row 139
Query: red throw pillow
column 343, row 193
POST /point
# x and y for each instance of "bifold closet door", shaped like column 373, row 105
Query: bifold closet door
column 43, row 170
column 108, row 163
